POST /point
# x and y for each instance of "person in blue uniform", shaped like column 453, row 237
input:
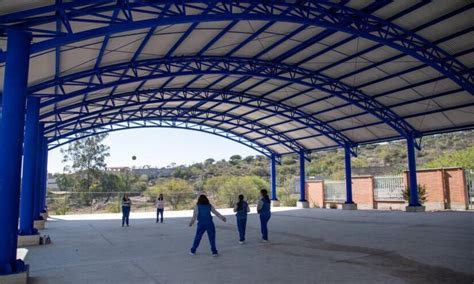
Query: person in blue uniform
column 263, row 209
column 126, row 205
column 202, row 213
column 241, row 208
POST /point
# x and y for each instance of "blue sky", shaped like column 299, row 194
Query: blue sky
column 161, row 147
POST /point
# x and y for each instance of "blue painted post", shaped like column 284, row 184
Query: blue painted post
column 347, row 168
column 11, row 143
column 413, row 184
column 39, row 174
column 273, row 178
column 30, row 157
column 302, row 178
column 45, row 175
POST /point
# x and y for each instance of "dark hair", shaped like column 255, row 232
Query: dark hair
column 202, row 200
column 125, row 197
column 160, row 197
column 240, row 204
column 265, row 197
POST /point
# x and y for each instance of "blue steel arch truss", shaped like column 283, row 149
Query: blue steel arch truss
column 159, row 123
column 180, row 66
column 119, row 102
column 333, row 16
column 205, row 117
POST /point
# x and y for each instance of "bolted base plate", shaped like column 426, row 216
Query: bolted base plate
column 28, row 240
column 16, row 278
column 349, row 206
column 415, row 209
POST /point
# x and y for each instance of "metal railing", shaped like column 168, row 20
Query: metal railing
column 388, row 188
column 470, row 187
column 334, row 191
column 61, row 203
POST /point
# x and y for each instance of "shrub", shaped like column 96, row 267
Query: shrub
column 422, row 196
column 113, row 207
column 288, row 200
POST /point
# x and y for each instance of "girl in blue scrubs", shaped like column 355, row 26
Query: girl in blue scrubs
column 202, row 212
column 241, row 208
column 263, row 209
column 126, row 204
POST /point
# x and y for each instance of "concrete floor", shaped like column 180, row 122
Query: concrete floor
column 306, row 246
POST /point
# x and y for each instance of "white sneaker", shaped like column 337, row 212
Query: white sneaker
column 215, row 255
column 265, row 241
column 241, row 242
column 191, row 253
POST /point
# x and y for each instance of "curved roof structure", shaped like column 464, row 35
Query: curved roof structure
column 278, row 76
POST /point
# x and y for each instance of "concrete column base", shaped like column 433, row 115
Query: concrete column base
column 44, row 215
column 29, row 240
column 415, row 208
column 39, row 224
column 276, row 203
column 302, row 204
column 16, row 278
column 349, row 206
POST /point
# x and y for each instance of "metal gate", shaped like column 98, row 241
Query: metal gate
column 389, row 188
column 334, row 191
column 470, row 187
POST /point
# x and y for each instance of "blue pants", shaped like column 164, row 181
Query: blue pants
column 264, row 218
column 211, row 233
column 241, row 225
column 158, row 213
column 125, row 214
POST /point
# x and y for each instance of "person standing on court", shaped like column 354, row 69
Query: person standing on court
column 126, row 205
column 202, row 212
column 160, row 207
column 241, row 208
column 263, row 209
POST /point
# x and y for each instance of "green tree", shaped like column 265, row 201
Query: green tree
column 86, row 159
column 178, row 192
column 463, row 158
column 235, row 159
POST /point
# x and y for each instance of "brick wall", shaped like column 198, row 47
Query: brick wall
column 456, row 191
column 363, row 191
column 446, row 189
column 314, row 191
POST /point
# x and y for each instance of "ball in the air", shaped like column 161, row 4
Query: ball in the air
column 134, row 158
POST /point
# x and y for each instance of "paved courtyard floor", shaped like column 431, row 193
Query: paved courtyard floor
column 306, row 246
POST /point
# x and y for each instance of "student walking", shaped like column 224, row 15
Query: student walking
column 126, row 204
column 263, row 208
column 160, row 207
column 241, row 208
column 202, row 212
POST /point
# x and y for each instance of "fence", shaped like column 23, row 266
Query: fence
column 470, row 187
column 388, row 188
column 61, row 203
column 334, row 191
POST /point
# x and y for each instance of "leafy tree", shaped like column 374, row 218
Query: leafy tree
column 86, row 158
column 235, row 159
column 209, row 162
column 463, row 158
column 178, row 192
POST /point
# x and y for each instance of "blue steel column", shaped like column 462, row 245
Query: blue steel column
column 302, row 177
column 45, row 176
column 273, row 177
column 11, row 143
column 413, row 184
column 39, row 175
column 347, row 168
column 30, row 157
